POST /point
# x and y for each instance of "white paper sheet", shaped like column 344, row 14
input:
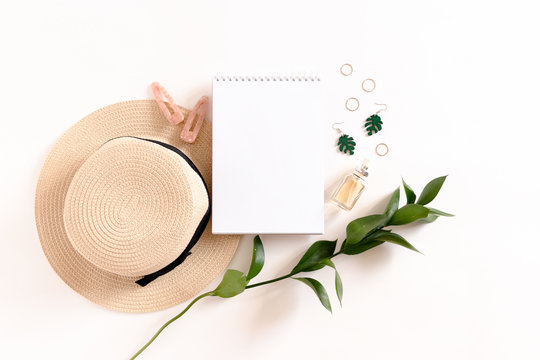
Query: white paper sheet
column 267, row 156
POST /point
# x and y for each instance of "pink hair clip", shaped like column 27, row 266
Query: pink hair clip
column 176, row 117
column 190, row 131
column 189, row 135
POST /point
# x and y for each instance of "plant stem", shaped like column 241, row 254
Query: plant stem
column 281, row 277
column 269, row 281
column 170, row 322
column 209, row 294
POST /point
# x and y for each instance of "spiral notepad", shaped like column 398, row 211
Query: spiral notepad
column 267, row 155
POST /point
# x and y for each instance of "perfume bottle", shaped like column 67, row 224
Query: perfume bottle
column 351, row 187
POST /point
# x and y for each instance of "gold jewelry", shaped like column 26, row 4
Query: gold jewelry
column 349, row 102
column 379, row 152
column 345, row 142
column 369, row 81
column 374, row 123
column 346, row 69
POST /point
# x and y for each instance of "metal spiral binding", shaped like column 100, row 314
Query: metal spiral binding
column 298, row 78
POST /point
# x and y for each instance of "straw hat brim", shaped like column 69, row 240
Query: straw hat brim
column 143, row 119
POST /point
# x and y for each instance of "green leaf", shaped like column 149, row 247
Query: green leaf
column 433, row 215
column 411, row 196
column 339, row 288
column 346, row 144
column 428, row 219
column 393, row 204
column 431, row 190
column 439, row 212
column 373, row 124
column 339, row 283
column 234, row 282
column 359, row 228
column 319, row 290
column 311, row 260
column 360, row 247
column 257, row 260
column 387, row 236
column 408, row 214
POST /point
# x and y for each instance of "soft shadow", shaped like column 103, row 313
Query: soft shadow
column 38, row 165
column 286, row 238
column 275, row 303
column 331, row 214
column 370, row 262
column 380, row 206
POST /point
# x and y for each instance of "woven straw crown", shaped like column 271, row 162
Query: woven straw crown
column 133, row 206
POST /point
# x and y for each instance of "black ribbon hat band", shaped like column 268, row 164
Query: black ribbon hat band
column 145, row 280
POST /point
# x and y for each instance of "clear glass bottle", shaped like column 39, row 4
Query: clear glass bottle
column 351, row 187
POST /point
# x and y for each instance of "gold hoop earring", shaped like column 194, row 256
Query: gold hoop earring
column 346, row 69
column 368, row 81
column 350, row 101
column 383, row 152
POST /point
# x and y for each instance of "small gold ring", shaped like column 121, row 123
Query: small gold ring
column 379, row 152
column 346, row 69
column 354, row 100
column 364, row 87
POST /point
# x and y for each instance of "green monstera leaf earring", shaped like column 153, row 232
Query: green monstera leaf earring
column 374, row 123
column 345, row 143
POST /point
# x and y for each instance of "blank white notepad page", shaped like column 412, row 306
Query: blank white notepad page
column 267, row 156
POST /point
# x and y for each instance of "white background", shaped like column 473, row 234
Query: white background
column 461, row 82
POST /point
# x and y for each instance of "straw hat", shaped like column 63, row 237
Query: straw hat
column 123, row 210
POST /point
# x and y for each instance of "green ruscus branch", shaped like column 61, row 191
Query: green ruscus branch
column 362, row 234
